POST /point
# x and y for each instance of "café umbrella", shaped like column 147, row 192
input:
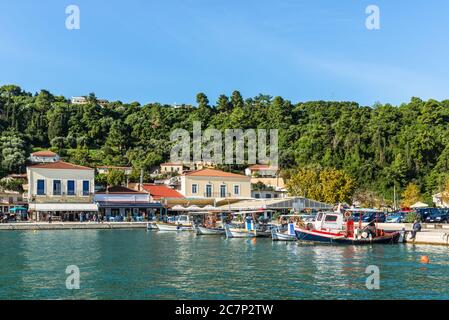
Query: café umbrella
column 419, row 205
column 18, row 210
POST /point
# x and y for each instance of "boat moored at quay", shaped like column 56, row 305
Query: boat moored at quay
column 212, row 224
column 178, row 223
column 253, row 226
column 282, row 234
column 338, row 228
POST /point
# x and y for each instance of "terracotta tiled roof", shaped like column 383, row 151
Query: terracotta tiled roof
column 214, row 173
column 114, row 167
column 59, row 165
column 158, row 192
column 44, row 153
column 120, row 190
column 262, row 167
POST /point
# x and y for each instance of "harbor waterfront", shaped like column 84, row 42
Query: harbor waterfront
column 140, row 264
column 432, row 234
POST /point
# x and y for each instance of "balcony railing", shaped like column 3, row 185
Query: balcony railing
column 216, row 194
column 63, row 198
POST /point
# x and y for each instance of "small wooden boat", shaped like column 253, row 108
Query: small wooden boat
column 250, row 228
column 212, row 224
column 232, row 232
column 172, row 227
column 277, row 234
column 179, row 223
column 210, row 231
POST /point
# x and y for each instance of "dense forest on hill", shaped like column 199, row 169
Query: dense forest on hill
column 380, row 147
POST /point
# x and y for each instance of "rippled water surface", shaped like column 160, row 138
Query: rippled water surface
column 139, row 264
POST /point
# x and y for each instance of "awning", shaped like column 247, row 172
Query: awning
column 15, row 209
column 129, row 205
column 63, row 207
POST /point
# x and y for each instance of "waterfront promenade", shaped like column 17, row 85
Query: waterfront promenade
column 71, row 225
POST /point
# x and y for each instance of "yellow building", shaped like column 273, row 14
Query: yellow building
column 212, row 183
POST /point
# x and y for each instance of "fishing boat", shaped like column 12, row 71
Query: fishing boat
column 238, row 232
column 211, row 224
column 210, row 231
column 338, row 228
column 178, row 223
column 251, row 227
column 284, row 234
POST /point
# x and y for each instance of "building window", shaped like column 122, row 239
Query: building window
column 71, row 187
column 86, row 188
column 236, row 189
column 257, row 196
column 40, row 187
column 223, row 191
column 56, row 187
column 208, row 190
column 194, row 188
column 268, row 196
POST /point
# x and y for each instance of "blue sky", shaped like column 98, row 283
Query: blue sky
column 167, row 51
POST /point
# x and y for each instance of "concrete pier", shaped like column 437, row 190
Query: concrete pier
column 431, row 233
column 71, row 225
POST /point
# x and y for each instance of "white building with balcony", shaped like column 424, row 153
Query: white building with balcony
column 60, row 189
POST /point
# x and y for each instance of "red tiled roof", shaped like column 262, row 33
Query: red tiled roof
column 59, row 165
column 114, row 167
column 158, row 192
column 213, row 173
column 120, row 190
column 262, row 167
column 44, row 153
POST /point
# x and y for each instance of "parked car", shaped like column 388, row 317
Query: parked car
column 424, row 213
column 374, row 216
column 438, row 216
column 369, row 216
column 396, row 217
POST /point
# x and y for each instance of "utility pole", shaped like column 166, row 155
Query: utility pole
column 141, row 180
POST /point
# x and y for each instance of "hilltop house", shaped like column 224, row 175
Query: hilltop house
column 60, row 189
column 106, row 169
column 262, row 170
column 172, row 167
column 44, row 156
